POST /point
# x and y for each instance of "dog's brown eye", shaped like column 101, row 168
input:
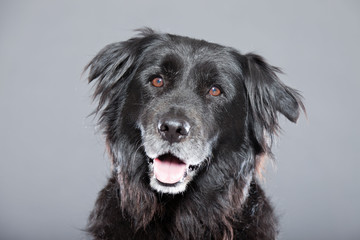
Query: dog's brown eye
column 214, row 91
column 157, row 82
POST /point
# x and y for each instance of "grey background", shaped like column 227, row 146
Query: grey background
column 52, row 158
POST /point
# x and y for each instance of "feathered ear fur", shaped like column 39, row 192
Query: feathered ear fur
column 113, row 65
column 267, row 96
column 109, row 68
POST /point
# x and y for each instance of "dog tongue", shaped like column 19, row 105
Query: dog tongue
column 169, row 169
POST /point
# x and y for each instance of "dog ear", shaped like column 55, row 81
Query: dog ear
column 112, row 67
column 267, row 96
column 109, row 68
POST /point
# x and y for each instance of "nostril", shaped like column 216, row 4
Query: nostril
column 182, row 130
column 163, row 128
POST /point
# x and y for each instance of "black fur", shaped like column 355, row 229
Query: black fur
column 223, row 199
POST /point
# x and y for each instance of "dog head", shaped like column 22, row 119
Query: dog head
column 170, row 106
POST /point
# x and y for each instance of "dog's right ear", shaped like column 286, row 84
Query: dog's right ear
column 109, row 68
column 112, row 67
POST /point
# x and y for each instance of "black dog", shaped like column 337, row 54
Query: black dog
column 187, row 124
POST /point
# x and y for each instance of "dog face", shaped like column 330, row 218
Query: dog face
column 187, row 94
column 174, row 104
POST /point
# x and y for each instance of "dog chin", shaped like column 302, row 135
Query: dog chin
column 175, row 188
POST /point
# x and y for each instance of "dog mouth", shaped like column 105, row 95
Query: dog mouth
column 170, row 170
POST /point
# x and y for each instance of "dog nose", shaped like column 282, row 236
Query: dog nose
column 173, row 130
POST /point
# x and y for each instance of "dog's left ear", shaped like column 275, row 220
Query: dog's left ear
column 267, row 96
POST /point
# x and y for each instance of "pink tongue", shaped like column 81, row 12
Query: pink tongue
column 169, row 170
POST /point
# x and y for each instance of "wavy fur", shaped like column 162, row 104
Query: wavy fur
column 223, row 200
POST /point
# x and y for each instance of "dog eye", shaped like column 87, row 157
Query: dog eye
column 215, row 91
column 157, row 82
